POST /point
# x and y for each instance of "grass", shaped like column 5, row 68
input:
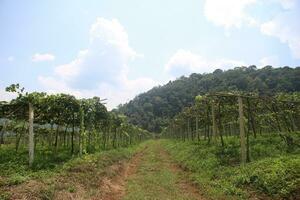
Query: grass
column 273, row 172
column 14, row 167
column 154, row 179
column 62, row 173
column 16, row 163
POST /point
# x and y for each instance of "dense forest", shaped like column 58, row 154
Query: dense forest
column 153, row 109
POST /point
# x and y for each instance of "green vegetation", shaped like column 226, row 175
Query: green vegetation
column 153, row 110
column 217, row 115
column 236, row 133
column 273, row 172
column 155, row 178
column 14, row 166
column 240, row 144
column 77, row 174
column 59, row 127
column 41, row 135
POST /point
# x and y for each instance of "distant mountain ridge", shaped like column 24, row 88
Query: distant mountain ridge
column 151, row 110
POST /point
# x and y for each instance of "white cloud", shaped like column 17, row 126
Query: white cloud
column 288, row 4
column 229, row 13
column 235, row 13
column 269, row 60
column 72, row 69
column 101, row 69
column 286, row 27
column 184, row 62
column 42, row 57
column 126, row 90
column 11, row 58
column 112, row 33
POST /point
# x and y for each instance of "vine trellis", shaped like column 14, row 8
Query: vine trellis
column 220, row 114
column 39, row 121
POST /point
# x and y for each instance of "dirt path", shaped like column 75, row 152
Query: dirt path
column 90, row 180
column 184, row 184
column 157, row 177
column 149, row 175
column 114, row 188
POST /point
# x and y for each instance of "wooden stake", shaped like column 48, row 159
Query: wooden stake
column 231, row 129
column 81, row 131
column 242, row 130
column 197, row 131
column 2, row 133
column 188, row 129
column 214, row 124
column 31, row 135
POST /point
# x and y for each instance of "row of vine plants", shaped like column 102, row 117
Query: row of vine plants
column 60, row 122
column 215, row 116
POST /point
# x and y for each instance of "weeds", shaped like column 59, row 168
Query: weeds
column 273, row 170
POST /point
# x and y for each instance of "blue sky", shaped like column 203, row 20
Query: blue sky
column 116, row 49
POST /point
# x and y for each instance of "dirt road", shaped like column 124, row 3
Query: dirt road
column 150, row 174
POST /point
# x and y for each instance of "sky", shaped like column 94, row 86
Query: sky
column 117, row 49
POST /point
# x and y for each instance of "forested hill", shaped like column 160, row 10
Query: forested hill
column 151, row 110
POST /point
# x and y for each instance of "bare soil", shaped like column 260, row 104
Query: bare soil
column 113, row 188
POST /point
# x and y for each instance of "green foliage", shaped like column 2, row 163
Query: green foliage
column 63, row 127
column 49, row 160
column 155, row 178
column 12, row 163
column 272, row 171
column 153, row 109
column 16, row 179
column 72, row 189
column 47, row 193
column 5, row 196
column 64, row 176
column 15, row 170
column 279, row 177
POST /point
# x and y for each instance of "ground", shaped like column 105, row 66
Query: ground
column 163, row 169
column 158, row 177
column 148, row 173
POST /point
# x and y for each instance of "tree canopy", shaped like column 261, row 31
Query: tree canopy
column 153, row 109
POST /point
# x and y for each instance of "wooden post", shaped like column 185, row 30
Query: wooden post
column 189, row 130
column 214, row 124
column 31, row 135
column 81, row 131
column 242, row 130
column 197, row 126
column 294, row 127
column 224, row 129
column 231, row 129
column 73, row 133
column 3, row 132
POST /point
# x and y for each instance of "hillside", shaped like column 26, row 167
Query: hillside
column 152, row 110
